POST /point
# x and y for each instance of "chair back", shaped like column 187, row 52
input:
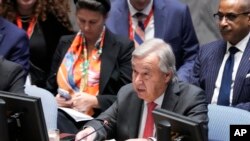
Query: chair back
column 220, row 119
column 49, row 104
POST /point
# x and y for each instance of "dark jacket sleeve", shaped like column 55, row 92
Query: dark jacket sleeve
column 123, row 66
column 13, row 77
column 61, row 49
column 17, row 77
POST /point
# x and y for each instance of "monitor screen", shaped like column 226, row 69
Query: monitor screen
column 25, row 118
column 169, row 123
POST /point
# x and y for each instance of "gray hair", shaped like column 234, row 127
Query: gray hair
column 162, row 50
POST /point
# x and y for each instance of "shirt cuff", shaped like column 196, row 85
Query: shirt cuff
column 152, row 139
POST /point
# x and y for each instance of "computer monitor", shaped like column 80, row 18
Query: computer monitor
column 24, row 118
column 168, row 122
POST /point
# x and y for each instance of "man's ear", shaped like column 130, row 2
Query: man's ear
column 168, row 76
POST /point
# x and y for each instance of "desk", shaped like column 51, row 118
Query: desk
column 71, row 137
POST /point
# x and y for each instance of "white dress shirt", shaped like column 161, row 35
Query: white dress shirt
column 158, row 101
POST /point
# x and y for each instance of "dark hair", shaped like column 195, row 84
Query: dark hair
column 10, row 9
column 102, row 6
column 59, row 8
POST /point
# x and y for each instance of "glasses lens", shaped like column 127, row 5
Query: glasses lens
column 231, row 16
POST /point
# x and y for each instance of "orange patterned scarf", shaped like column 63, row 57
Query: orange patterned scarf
column 79, row 71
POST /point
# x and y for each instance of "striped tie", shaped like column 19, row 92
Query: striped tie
column 139, row 35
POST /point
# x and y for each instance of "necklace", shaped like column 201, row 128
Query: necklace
column 86, row 63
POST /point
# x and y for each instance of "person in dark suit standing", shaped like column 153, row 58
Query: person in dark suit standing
column 169, row 20
column 211, row 70
column 14, row 43
column 91, row 65
column 12, row 76
column 154, row 81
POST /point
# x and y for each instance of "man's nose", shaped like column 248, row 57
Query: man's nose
column 224, row 21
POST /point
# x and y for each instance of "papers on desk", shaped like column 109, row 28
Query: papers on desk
column 77, row 116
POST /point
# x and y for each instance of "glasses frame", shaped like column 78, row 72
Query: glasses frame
column 228, row 16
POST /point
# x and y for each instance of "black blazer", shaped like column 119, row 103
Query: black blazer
column 116, row 68
column 12, row 76
column 51, row 30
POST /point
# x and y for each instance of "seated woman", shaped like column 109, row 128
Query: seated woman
column 91, row 65
column 12, row 76
column 44, row 21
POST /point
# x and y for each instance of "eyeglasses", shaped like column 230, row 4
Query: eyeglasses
column 229, row 16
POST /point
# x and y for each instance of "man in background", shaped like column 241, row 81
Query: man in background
column 169, row 20
column 222, row 68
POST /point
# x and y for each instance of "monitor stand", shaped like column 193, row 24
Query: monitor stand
column 163, row 131
column 3, row 122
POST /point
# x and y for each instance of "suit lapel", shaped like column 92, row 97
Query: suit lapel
column 108, row 57
column 216, row 60
column 159, row 18
column 122, row 19
column 134, row 124
column 171, row 96
column 243, row 69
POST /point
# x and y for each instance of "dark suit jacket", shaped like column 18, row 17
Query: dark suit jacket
column 42, row 48
column 14, row 44
column 116, row 68
column 172, row 23
column 207, row 67
column 125, row 114
column 12, row 76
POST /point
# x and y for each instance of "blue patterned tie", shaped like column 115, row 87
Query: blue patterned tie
column 226, row 81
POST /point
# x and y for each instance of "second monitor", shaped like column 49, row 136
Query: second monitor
column 185, row 128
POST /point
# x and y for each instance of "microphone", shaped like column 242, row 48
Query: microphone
column 105, row 123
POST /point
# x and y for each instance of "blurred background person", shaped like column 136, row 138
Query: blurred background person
column 169, row 20
column 91, row 66
column 14, row 43
column 44, row 21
